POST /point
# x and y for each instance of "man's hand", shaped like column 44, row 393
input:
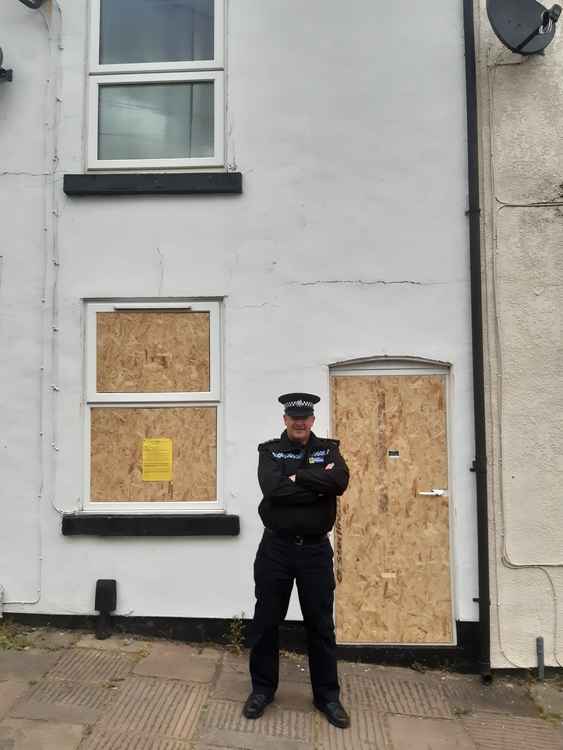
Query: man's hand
column 328, row 467
column 292, row 478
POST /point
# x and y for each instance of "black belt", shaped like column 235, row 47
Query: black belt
column 296, row 538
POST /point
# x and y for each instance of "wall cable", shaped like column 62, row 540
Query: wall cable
column 49, row 254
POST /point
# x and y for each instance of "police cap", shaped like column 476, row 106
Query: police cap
column 299, row 404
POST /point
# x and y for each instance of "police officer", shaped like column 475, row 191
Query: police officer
column 301, row 476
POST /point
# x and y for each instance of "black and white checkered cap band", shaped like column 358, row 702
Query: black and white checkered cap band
column 299, row 403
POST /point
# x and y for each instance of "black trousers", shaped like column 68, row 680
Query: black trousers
column 280, row 562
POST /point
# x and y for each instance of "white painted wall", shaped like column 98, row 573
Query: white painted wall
column 350, row 240
column 522, row 165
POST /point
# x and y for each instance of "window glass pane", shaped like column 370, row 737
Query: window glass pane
column 156, row 120
column 137, row 31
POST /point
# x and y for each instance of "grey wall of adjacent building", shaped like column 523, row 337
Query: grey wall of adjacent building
column 520, row 106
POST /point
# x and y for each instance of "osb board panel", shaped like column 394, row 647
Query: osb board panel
column 152, row 351
column 116, row 453
column 392, row 545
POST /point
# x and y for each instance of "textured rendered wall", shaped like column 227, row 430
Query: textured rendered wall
column 350, row 240
column 521, row 101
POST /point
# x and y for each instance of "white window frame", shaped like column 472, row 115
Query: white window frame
column 178, row 71
column 95, row 399
column 96, row 82
column 145, row 67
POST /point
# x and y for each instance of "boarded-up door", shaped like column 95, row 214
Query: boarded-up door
column 392, row 541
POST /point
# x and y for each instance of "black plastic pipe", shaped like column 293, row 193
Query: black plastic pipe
column 480, row 464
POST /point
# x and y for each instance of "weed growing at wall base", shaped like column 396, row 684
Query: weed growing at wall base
column 234, row 637
column 11, row 637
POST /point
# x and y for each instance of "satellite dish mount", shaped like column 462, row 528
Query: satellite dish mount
column 524, row 26
column 5, row 75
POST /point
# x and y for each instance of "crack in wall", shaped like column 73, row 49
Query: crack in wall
column 376, row 282
column 25, row 174
column 161, row 265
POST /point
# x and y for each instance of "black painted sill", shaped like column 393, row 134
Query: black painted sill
column 123, row 524
column 179, row 183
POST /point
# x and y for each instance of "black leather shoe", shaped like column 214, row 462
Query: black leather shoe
column 335, row 713
column 256, row 705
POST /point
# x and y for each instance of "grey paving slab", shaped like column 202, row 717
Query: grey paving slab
column 211, row 653
column 10, row 692
column 367, row 731
column 294, row 668
column 92, row 667
column 114, row 643
column 21, row 734
column 232, row 686
column 177, row 663
column 26, row 665
column 235, row 662
column 54, row 712
column 400, row 696
column 164, row 709
column 294, row 695
column 548, row 697
column 470, row 695
column 414, row 733
column 494, row 732
column 277, row 723
column 395, row 673
column 51, row 639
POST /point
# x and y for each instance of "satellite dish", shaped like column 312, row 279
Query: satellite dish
column 524, row 26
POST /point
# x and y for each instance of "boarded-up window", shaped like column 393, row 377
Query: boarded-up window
column 117, row 453
column 153, row 399
column 152, row 351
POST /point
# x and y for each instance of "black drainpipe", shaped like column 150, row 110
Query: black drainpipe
column 480, row 463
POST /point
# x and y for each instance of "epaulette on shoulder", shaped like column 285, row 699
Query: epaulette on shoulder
column 330, row 442
column 268, row 444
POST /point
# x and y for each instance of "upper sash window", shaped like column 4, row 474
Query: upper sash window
column 156, row 84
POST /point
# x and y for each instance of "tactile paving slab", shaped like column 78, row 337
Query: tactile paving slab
column 105, row 741
column 384, row 695
column 290, row 725
column 71, row 693
column 91, row 667
column 162, row 709
column 367, row 731
column 493, row 732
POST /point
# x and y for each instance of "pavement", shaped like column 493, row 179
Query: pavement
column 65, row 690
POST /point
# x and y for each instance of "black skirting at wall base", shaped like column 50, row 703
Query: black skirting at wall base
column 180, row 183
column 460, row 658
column 196, row 524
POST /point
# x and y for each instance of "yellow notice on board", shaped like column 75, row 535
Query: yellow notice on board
column 157, row 460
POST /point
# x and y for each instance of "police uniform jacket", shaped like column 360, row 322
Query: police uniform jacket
column 308, row 505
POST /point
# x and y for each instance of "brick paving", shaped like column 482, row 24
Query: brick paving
column 68, row 691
